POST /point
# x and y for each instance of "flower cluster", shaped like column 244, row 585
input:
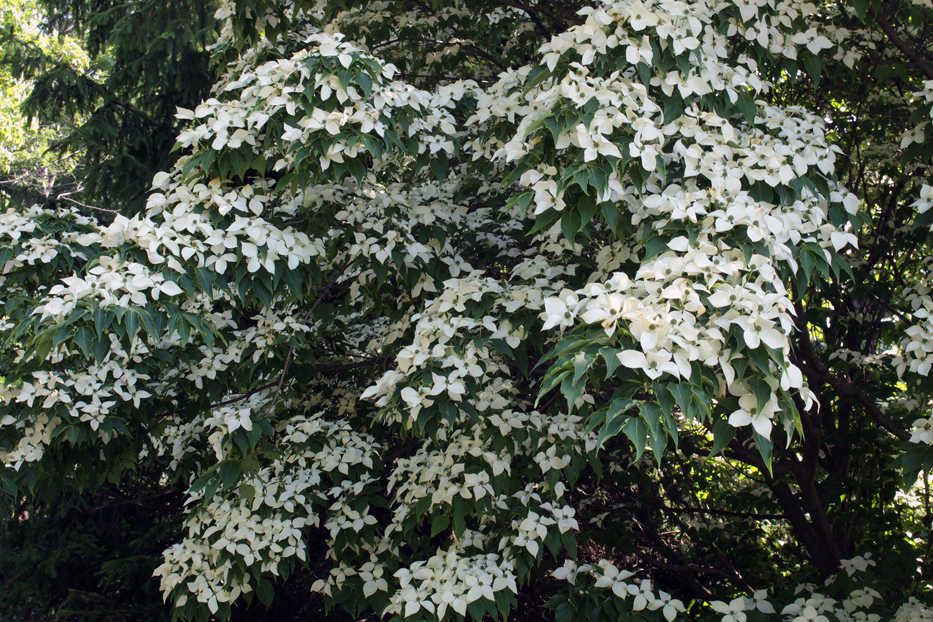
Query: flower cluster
column 608, row 576
column 450, row 579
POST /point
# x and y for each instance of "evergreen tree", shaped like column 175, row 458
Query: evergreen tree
column 146, row 58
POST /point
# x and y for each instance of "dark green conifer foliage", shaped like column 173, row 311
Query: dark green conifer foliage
column 147, row 59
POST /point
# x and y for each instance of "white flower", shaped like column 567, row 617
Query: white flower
column 748, row 413
column 653, row 363
column 732, row 612
column 559, row 311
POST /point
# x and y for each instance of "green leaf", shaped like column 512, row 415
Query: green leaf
column 102, row 321
column 229, row 473
column 673, row 109
column 637, row 432
column 265, row 592
column 644, row 73
column 366, row 83
column 589, row 111
column 654, row 246
column 611, row 216
column 701, row 404
column 439, row 523
column 765, row 448
column 807, row 263
column 814, row 66
column 651, row 414
column 344, row 77
column 240, row 440
column 587, row 209
column 917, row 458
column 440, row 167
column 554, row 127
column 460, row 508
column 670, row 426
column 544, row 221
column 748, row 108
column 572, row 390
column 85, row 338
column 762, row 392
column 598, row 178
column 375, row 147
column 613, row 419
column 246, row 492
column 723, row 433
column 760, row 359
column 570, row 224
column 7, row 483
column 582, row 361
column 537, row 75
column 521, row 201
column 44, row 345
column 682, row 395
column 150, row 323
column 552, row 542
column 553, row 378
column 101, row 349
column 610, row 356
column 861, row 8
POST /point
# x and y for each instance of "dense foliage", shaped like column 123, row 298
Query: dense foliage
column 28, row 170
column 438, row 310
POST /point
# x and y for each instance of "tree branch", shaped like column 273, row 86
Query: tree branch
column 908, row 51
column 716, row 512
column 817, row 369
column 243, row 396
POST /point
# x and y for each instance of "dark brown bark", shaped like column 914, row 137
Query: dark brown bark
column 805, row 509
column 815, row 535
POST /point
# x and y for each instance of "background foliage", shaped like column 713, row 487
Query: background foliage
column 262, row 414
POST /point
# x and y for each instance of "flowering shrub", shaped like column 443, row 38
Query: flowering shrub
column 450, row 321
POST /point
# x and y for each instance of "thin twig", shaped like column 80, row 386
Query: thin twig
column 278, row 388
column 243, row 396
column 63, row 197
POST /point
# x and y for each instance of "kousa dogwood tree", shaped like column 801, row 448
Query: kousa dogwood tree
column 454, row 308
